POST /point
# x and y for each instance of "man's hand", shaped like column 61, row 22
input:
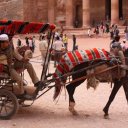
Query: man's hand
column 24, row 60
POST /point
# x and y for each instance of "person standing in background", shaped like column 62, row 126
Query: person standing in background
column 65, row 41
column 116, row 31
column 74, row 42
column 26, row 41
column 111, row 33
column 33, row 44
column 126, row 33
column 19, row 44
column 58, row 50
column 43, row 45
column 30, row 43
column 89, row 32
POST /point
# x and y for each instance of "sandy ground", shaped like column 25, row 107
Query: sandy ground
column 45, row 113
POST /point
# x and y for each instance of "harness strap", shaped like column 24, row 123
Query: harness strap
column 93, row 74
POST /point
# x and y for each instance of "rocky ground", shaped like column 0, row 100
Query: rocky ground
column 46, row 113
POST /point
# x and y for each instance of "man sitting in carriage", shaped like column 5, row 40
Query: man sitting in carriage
column 7, row 50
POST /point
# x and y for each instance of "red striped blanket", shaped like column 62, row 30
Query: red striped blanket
column 73, row 58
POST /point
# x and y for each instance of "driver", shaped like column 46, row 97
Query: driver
column 117, row 51
column 7, row 49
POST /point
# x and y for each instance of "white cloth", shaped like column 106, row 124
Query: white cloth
column 58, row 45
column 57, row 34
column 43, row 45
column 4, row 37
column 89, row 32
column 30, row 42
column 124, row 46
column 114, row 44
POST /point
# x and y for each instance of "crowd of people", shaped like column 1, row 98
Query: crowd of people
column 60, row 43
column 104, row 28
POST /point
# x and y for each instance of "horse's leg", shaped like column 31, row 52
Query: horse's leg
column 117, row 85
column 125, row 86
column 126, row 91
column 71, row 89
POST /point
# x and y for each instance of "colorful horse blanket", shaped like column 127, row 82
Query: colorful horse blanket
column 73, row 58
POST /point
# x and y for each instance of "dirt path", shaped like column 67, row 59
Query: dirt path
column 45, row 113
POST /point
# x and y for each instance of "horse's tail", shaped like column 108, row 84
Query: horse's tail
column 58, row 88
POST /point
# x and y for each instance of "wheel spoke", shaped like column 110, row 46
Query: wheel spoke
column 9, row 105
column 6, row 105
column 5, row 109
column 1, row 104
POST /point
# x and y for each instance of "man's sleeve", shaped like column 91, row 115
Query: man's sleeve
column 17, row 55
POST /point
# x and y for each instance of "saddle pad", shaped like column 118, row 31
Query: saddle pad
column 73, row 58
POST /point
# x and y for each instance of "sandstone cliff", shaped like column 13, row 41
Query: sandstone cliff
column 11, row 9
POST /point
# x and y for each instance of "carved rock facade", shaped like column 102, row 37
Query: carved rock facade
column 71, row 13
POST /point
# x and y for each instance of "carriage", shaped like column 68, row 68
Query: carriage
column 9, row 100
column 67, row 68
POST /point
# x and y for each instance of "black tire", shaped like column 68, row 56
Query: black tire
column 8, row 104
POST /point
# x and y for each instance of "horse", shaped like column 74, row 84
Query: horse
column 83, row 69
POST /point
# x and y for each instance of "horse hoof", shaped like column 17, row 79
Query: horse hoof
column 106, row 116
column 105, row 111
column 73, row 112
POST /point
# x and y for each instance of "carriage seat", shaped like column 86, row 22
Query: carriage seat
column 4, row 73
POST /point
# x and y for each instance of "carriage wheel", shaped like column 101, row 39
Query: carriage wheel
column 8, row 104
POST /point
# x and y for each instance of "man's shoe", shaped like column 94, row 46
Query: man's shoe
column 26, row 96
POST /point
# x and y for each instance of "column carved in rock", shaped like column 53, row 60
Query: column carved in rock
column 69, row 13
column 114, row 11
column 86, row 13
column 51, row 11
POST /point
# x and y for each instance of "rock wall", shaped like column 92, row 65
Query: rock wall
column 35, row 10
column 38, row 10
column 11, row 9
